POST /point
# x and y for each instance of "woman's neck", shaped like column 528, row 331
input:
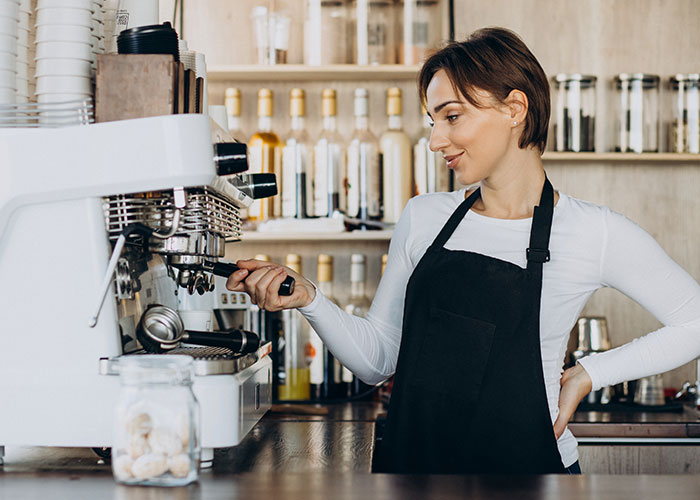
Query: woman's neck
column 513, row 190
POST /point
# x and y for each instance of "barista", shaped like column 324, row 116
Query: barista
column 483, row 286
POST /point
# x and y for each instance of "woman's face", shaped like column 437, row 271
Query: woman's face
column 473, row 140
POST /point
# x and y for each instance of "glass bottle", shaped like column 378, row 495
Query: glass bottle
column 264, row 152
column 363, row 165
column 637, row 121
column 419, row 29
column 329, row 164
column 325, row 369
column 156, row 439
column 430, row 171
column 371, row 34
column 294, row 384
column 575, row 110
column 358, row 304
column 325, row 26
column 232, row 101
column 297, row 162
column 684, row 133
column 397, row 171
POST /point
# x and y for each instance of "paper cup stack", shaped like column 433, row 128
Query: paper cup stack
column 63, row 50
column 24, row 68
column 109, row 9
column 9, row 27
column 98, row 32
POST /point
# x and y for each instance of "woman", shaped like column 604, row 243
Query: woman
column 482, row 287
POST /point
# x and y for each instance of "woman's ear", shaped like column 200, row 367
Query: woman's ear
column 517, row 106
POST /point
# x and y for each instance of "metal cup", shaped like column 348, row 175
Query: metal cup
column 592, row 334
column 650, row 391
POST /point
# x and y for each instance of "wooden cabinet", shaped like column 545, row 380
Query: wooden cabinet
column 641, row 458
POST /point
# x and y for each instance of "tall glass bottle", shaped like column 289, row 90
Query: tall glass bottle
column 232, row 101
column 397, row 175
column 264, row 151
column 363, row 165
column 329, row 161
column 324, row 373
column 297, row 162
column 430, row 173
column 295, row 385
column 358, row 304
column 372, row 32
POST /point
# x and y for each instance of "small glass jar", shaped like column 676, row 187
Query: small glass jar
column 325, row 32
column 684, row 130
column 575, row 108
column 156, row 422
column 637, row 123
column 419, row 29
column 372, row 32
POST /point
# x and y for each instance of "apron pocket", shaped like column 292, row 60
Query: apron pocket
column 453, row 356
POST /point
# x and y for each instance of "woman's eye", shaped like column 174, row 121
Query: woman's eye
column 451, row 118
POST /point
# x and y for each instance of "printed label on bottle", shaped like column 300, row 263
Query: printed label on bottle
column 315, row 358
column 353, row 180
column 288, row 188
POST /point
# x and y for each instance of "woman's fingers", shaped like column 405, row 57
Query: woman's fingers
column 575, row 384
column 235, row 280
column 273, row 301
column 262, row 286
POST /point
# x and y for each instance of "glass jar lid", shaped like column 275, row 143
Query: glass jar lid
column 585, row 81
column 648, row 81
column 688, row 80
column 161, row 369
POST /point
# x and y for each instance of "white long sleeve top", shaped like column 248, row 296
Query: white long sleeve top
column 591, row 247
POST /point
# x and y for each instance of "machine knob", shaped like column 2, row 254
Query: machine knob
column 230, row 158
column 262, row 185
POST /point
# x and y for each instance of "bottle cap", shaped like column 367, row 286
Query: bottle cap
column 325, row 268
column 293, row 261
column 265, row 102
column 232, row 100
column 393, row 101
column 358, row 258
column 297, row 102
column 328, row 103
column 263, row 256
column 361, row 102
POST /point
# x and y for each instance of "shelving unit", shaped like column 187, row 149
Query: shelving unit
column 285, row 72
column 552, row 156
column 351, row 236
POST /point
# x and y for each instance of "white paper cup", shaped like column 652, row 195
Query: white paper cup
column 22, row 70
column 22, row 37
column 63, row 85
column 8, row 78
column 71, row 4
column 63, row 50
column 62, row 67
column 9, row 10
column 72, row 17
column 59, row 98
column 22, row 53
column 24, row 20
column 56, row 33
column 8, row 44
column 8, row 96
column 140, row 12
column 8, row 26
column 22, row 86
column 7, row 60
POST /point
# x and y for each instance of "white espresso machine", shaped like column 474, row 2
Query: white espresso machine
column 66, row 196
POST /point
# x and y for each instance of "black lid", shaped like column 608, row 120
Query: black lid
column 262, row 185
column 230, row 158
column 152, row 39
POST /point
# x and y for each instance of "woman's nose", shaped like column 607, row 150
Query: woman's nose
column 438, row 141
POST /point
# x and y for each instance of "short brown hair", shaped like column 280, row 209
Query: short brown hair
column 495, row 60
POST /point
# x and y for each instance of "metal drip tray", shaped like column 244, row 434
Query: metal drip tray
column 207, row 360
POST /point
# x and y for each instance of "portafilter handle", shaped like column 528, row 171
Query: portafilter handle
column 239, row 341
column 225, row 269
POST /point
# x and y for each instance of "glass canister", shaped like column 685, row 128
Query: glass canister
column 371, row 34
column 325, row 32
column 684, row 130
column 156, row 422
column 419, row 29
column 637, row 123
column 575, row 109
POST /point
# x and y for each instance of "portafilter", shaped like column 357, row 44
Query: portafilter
column 161, row 329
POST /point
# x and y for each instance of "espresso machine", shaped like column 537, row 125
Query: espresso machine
column 98, row 224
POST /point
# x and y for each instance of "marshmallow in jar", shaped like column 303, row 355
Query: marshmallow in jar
column 156, row 422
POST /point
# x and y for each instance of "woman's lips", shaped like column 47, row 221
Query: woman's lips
column 452, row 160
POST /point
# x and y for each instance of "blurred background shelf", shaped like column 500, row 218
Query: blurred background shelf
column 285, row 72
column 252, row 236
column 621, row 157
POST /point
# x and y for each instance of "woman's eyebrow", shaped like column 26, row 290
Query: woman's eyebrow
column 437, row 108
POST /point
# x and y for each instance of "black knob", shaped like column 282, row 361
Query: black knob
column 230, row 158
column 262, row 185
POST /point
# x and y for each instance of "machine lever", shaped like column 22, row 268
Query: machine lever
column 225, row 269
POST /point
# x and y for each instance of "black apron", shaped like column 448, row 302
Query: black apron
column 469, row 393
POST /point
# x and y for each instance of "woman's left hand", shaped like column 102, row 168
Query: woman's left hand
column 575, row 384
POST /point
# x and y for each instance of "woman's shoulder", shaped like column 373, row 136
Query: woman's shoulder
column 438, row 201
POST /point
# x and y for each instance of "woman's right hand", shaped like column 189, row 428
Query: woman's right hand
column 261, row 281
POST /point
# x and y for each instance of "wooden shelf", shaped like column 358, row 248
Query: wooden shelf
column 252, row 236
column 285, row 72
column 622, row 157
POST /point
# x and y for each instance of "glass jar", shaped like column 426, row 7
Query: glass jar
column 156, row 422
column 371, row 34
column 575, row 108
column 637, row 124
column 325, row 37
column 684, row 130
column 419, row 29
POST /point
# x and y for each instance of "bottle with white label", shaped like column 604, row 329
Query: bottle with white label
column 232, row 101
column 264, row 152
column 363, row 165
column 397, row 171
column 358, row 304
column 430, row 172
column 329, row 162
column 297, row 162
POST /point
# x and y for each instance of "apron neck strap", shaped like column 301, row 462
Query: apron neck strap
column 538, row 251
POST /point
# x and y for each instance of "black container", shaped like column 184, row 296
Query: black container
column 153, row 39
